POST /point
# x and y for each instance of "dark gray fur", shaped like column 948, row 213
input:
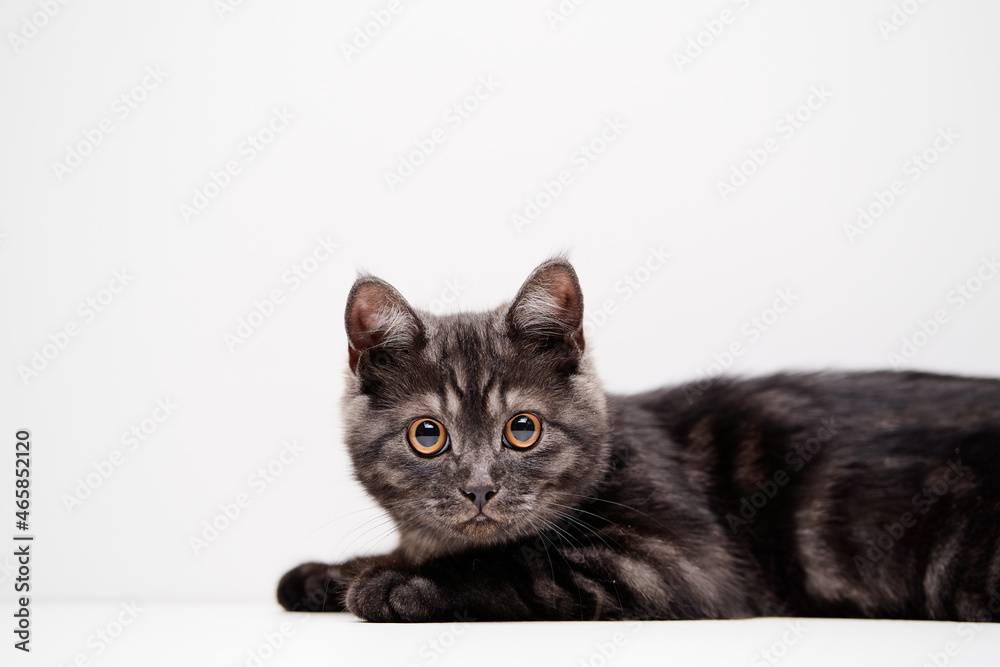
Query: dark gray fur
column 785, row 495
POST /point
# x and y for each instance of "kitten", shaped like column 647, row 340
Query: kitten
column 521, row 491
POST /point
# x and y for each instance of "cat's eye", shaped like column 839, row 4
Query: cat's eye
column 427, row 437
column 522, row 431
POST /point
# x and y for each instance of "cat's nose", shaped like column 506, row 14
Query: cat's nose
column 479, row 494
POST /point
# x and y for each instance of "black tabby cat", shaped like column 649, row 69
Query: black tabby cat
column 522, row 491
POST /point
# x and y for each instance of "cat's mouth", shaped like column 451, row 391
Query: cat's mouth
column 479, row 526
column 491, row 526
column 480, row 519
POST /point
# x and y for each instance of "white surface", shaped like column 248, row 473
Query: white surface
column 162, row 336
column 171, row 634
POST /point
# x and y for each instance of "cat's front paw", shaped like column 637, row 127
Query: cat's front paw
column 385, row 595
column 312, row 587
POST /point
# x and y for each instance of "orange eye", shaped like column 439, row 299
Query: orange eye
column 522, row 431
column 427, row 437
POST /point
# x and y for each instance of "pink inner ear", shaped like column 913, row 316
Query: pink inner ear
column 360, row 322
column 563, row 298
column 550, row 303
column 564, row 292
column 377, row 316
column 367, row 303
column 363, row 312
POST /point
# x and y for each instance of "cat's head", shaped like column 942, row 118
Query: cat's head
column 475, row 428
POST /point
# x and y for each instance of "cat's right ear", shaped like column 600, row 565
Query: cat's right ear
column 378, row 320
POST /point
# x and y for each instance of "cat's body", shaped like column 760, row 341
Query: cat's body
column 858, row 494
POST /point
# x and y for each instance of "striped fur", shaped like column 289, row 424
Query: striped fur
column 857, row 494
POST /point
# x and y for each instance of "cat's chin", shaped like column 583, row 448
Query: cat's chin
column 482, row 529
column 480, row 525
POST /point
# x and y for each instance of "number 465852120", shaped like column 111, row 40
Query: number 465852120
column 22, row 470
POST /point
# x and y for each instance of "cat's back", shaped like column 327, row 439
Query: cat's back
column 805, row 472
column 767, row 416
column 728, row 436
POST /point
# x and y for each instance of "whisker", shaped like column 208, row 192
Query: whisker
column 385, row 521
column 542, row 536
column 561, row 532
column 576, row 521
column 345, row 515
column 382, row 521
column 579, row 592
column 411, row 518
column 628, row 507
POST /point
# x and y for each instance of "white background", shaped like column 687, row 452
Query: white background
column 656, row 185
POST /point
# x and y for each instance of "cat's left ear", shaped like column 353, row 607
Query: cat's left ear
column 549, row 307
column 378, row 319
